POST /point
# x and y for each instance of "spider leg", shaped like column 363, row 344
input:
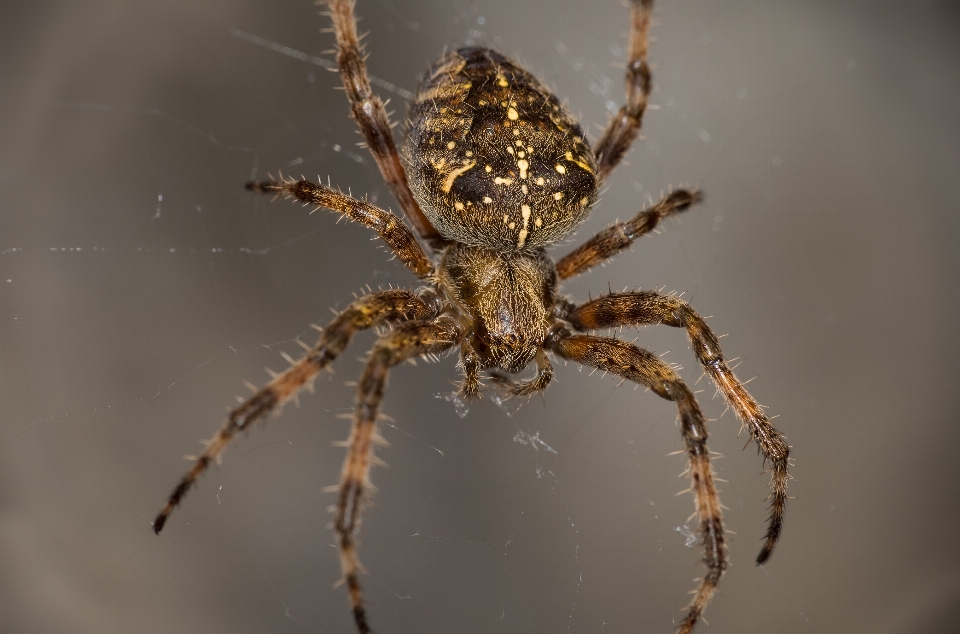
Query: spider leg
column 371, row 117
column 407, row 340
column 531, row 386
column 388, row 226
column 643, row 367
column 470, row 360
column 650, row 307
column 621, row 235
column 367, row 312
column 625, row 125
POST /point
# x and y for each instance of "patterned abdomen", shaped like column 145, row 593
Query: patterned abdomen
column 493, row 158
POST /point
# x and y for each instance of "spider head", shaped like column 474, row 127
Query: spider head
column 493, row 158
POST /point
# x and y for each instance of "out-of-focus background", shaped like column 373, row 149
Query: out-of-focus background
column 140, row 285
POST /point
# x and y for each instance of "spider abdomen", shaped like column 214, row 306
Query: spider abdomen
column 509, row 296
column 493, row 158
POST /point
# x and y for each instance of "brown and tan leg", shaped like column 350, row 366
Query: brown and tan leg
column 367, row 312
column 469, row 388
column 531, row 386
column 388, row 226
column 618, row 237
column 643, row 367
column 371, row 116
column 625, row 125
column 406, row 341
column 649, row 307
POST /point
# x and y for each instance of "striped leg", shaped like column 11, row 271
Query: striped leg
column 366, row 312
column 371, row 116
column 621, row 235
column 625, row 125
column 389, row 227
column 408, row 340
column 650, row 307
column 643, row 367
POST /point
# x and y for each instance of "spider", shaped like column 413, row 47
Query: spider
column 492, row 170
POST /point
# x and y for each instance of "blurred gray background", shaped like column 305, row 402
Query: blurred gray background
column 140, row 285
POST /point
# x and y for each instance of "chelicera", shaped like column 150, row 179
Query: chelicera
column 493, row 169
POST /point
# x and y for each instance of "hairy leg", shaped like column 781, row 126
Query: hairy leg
column 389, row 227
column 366, row 312
column 643, row 367
column 371, row 116
column 650, row 307
column 625, row 125
column 618, row 237
column 408, row 340
column 469, row 388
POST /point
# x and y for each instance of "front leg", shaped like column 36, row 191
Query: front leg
column 645, row 368
column 652, row 308
column 369, row 311
column 408, row 340
column 388, row 226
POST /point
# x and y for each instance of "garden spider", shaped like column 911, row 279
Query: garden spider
column 492, row 170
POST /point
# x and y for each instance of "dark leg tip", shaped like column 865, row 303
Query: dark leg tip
column 764, row 555
column 158, row 524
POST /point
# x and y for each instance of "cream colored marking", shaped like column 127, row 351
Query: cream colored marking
column 523, row 165
column 512, row 114
column 510, row 149
column 560, row 168
column 586, row 166
column 522, row 237
column 584, row 201
column 469, row 153
column 439, row 164
column 538, row 222
column 453, row 144
column 502, row 81
column 503, row 181
column 523, row 188
column 452, row 176
column 518, row 142
column 540, row 181
column 487, row 169
column 512, row 225
column 458, row 206
column 529, row 149
column 487, row 199
column 558, row 196
column 583, row 164
column 521, row 153
column 506, row 219
column 515, row 132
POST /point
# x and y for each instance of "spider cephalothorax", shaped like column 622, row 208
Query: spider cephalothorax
column 493, row 170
